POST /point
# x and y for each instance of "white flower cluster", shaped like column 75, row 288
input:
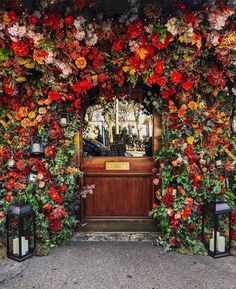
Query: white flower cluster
column 217, row 20
column 64, row 67
column 79, row 23
column 91, row 36
column 17, row 32
column 172, row 26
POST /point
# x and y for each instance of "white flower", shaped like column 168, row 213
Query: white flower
column 17, row 32
column 79, row 21
column 65, row 68
column 217, row 20
column 92, row 41
column 79, row 35
column 172, row 26
column 50, row 58
column 36, row 37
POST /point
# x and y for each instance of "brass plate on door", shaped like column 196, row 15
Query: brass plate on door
column 117, row 166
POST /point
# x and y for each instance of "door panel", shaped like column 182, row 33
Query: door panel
column 118, row 193
column 119, row 196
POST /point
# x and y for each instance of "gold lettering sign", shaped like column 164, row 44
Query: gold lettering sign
column 120, row 166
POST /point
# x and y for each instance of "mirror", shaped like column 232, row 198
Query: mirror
column 118, row 128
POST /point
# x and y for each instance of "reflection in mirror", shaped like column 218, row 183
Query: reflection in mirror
column 119, row 128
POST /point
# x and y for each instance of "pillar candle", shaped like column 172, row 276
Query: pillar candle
column 16, row 246
column 221, row 244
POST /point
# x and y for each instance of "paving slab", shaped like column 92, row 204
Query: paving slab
column 118, row 265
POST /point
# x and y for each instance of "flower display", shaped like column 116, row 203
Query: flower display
column 51, row 62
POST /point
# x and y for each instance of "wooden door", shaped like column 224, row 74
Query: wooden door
column 119, row 193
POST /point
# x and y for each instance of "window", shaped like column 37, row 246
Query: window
column 119, row 128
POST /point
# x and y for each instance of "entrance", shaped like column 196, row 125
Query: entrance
column 118, row 143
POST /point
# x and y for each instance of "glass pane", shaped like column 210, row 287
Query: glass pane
column 13, row 236
column 222, row 233
column 118, row 128
column 28, row 233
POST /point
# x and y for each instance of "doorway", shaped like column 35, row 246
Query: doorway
column 119, row 138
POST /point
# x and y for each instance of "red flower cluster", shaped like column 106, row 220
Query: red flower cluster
column 176, row 76
column 168, row 200
column 135, row 29
column 21, row 48
column 233, row 235
column 54, row 195
column 55, row 225
column 54, row 96
column 52, row 20
column 81, row 86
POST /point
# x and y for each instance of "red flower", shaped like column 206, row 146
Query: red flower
column 8, row 197
column 53, row 21
column 55, row 225
column 135, row 29
column 187, row 85
column 12, row 16
column 81, row 86
column 154, row 205
column 9, row 86
column 176, row 76
column 55, row 196
column 33, row 19
column 50, row 152
column 167, row 200
column 159, row 67
column 69, row 20
column 170, row 190
column 233, row 235
column 190, row 227
column 189, row 18
column 118, row 45
column 186, row 213
column 54, row 96
column 159, row 44
column 221, row 178
column 21, row 48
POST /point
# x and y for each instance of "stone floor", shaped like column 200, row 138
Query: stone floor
column 117, row 265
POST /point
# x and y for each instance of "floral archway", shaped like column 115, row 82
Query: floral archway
column 50, row 61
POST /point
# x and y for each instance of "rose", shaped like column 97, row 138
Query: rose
column 8, row 197
column 33, row 19
column 159, row 67
column 69, row 20
column 176, row 76
column 168, row 200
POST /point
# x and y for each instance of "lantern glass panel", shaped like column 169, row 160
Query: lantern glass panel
column 216, row 234
column 21, row 233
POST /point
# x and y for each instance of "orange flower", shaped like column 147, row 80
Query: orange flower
column 25, row 122
column 23, row 111
column 81, row 62
column 186, row 213
column 189, row 200
column 47, row 207
column 182, row 110
column 181, row 190
column 193, row 105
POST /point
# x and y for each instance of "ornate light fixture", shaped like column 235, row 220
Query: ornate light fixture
column 36, row 145
column 64, row 118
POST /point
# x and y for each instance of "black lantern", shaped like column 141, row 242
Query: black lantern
column 36, row 145
column 64, row 118
column 20, row 232
column 11, row 163
column 216, row 229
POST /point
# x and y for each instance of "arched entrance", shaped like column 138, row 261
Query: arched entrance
column 118, row 160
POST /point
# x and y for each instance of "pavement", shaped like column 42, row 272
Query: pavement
column 117, row 265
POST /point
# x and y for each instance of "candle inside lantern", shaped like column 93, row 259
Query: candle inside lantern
column 221, row 244
column 24, row 246
column 63, row 121
column 11, row 163
column 36, row 148
column 212, row 241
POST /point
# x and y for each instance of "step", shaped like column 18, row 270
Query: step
column 117, row 226
column 115, row 236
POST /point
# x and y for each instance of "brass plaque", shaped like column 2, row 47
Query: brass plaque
column 113, row 166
